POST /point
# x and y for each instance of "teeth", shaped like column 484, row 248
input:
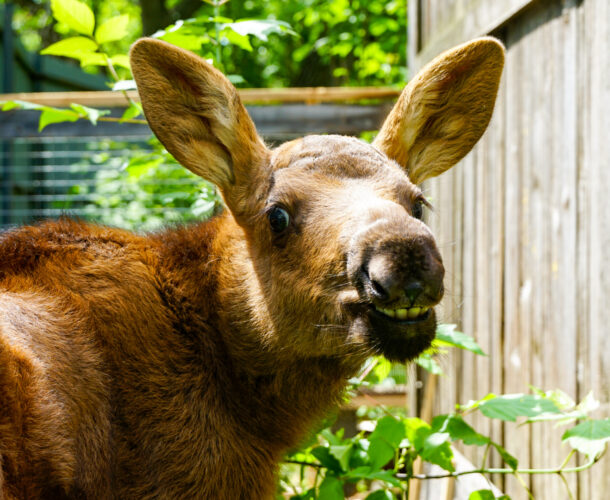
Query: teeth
column 414, row 312
column 404, row 313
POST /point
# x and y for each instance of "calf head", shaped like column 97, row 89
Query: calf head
column 334, row 256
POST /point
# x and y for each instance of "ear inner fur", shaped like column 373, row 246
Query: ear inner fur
column 444, row 110
column 198, row 116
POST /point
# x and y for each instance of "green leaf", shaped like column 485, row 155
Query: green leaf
column 458, row 430
column 74, row 47
column 509, row 460
column 428, row 363
column 390, row 430
column 380, row 495
column 241, row 41
column 482, row 495
column 331, row 489
column 8, row 105
column 326, row 458
column 379, row 475
column 342, row 454
column 113, row 29
column 380, row 452
column 121, row 60
column 510, row 406
column 93, row 59
column 448, row 335
column 52, row 115
column 260, row 28
column 77, row 15
column 91, row 113
column 417, row 431
column 589, row 437
column 134, row 109
column 437, row 450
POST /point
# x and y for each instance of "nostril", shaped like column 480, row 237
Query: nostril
column 413, row 290
column 379, row 292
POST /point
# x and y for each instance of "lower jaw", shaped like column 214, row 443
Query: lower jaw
column 401, row 341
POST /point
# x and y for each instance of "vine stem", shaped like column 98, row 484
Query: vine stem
column 485, row 453
column 522, row 483
column 114, row 119
column 116, row 78
column 565, row 482
column 558, row 471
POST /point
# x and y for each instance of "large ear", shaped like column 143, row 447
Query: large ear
column 198, row 116
column 444, row 110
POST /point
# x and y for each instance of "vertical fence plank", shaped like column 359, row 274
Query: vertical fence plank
column 595, row 222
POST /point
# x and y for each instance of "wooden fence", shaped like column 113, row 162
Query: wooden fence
column 524, row 221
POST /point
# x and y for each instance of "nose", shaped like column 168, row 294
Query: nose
column 385, row 285
column 403, row 273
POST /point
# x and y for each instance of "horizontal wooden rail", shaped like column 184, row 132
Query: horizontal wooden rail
column 309, row 95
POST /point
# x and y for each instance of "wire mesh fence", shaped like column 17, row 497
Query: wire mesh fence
column 115, row 174
column 115, row 181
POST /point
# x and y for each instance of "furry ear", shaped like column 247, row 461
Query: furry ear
column 198, row 116
column 444, row 109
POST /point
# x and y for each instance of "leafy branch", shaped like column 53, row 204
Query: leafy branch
column 387, row 454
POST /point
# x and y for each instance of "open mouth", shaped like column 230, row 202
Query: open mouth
column 409, row 314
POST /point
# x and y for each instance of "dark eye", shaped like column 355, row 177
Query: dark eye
column 279, row 220
column 418, row 209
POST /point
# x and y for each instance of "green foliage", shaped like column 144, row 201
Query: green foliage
column 386, row 454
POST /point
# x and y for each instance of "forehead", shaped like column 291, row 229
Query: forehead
column 331, row 158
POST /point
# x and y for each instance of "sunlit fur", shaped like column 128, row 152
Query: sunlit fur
column 184, row 364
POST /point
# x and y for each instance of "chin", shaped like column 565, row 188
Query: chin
column 399, row 340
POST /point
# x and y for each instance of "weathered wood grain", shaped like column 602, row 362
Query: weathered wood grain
column 532, row 238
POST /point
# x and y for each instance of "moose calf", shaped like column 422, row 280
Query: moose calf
column 184, row 364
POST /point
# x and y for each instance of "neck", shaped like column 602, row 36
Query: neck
column 282, row 393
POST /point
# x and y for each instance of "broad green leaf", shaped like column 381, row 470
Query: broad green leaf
column 113, row 29
column 8, row 105
column 91, row 113
column 331, row 489
column 589, row 437
column 380, row 495
column 510, row 406
column 52, row 115
column 241, row 41
column 509, row 460
column 75, row 14
column 260, row 28
column 458, row 430
column 310, row 494
column 437, row 450
column 448, row 335
column 134, row 109
column 326, row 458
column 380, row 452
column 74, row 47
column 417, row 431
column 188, row 42
column 342, row 454
column 390, row 430
column 93, row 59
column 121, row 60
column 428, row 363
column 380, row 475
column 236, row 79
column 482, row 495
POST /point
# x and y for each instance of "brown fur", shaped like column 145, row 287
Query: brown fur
column 184, row 364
